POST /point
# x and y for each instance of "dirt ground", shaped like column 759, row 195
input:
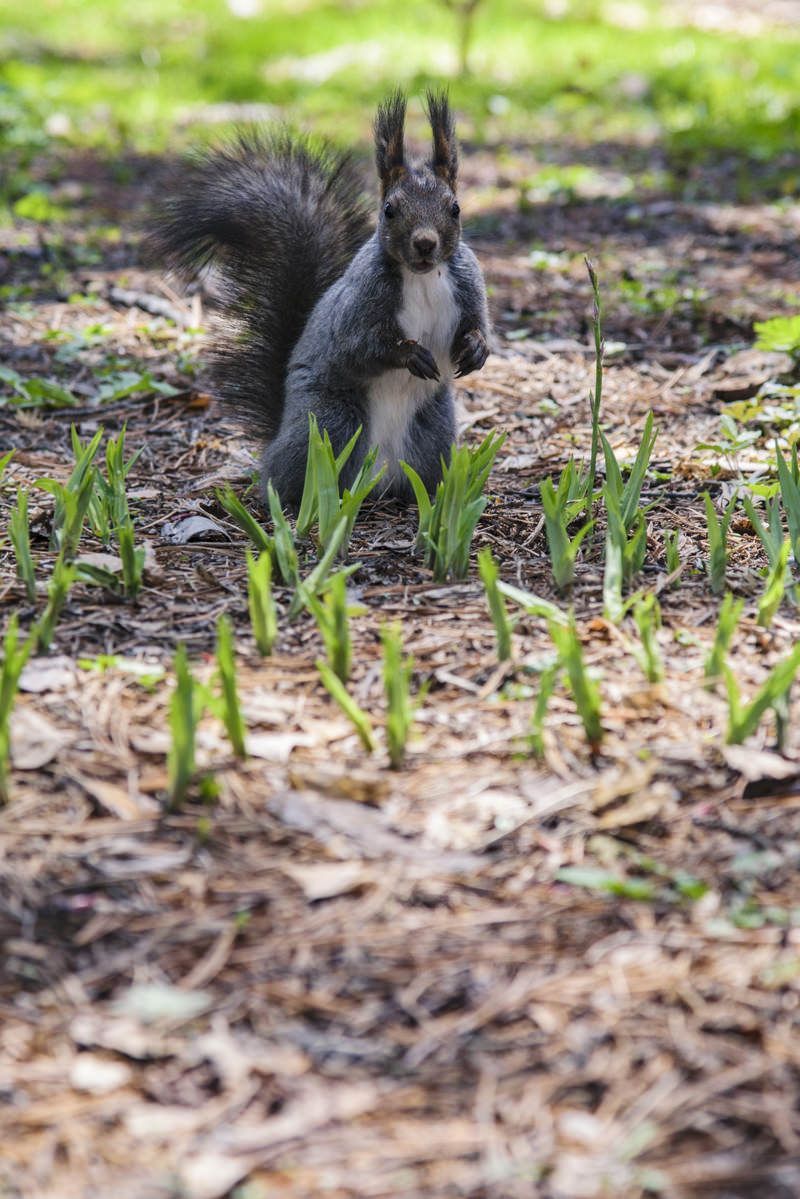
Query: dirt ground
column 341, row 980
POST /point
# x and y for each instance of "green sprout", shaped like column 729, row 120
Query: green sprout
column 332, row 616
column 263, row 610
column 20, row 539
column 490, row 574
column 563, row 548
column 15, row 655
column 743, row 720
column 245, row 520
column 339, row 692
column 647, row 614
column 547, row 683
column 672, row 556
column 772, row 596
column 226, row 662
column 185, row 707
column 727, row 622
column 399, row 706
column 718, row 541
column 447, row 523
column 62, row 578
column 583, row 687
column 624, row 555
column 321, row 500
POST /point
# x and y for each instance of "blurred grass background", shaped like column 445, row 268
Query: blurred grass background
column 571, row 77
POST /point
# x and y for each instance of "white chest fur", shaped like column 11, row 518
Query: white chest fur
column 428, row 314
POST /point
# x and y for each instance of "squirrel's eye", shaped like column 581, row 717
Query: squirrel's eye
column 388, row 210
column 455, row 210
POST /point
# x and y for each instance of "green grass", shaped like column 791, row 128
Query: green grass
column 87, row 73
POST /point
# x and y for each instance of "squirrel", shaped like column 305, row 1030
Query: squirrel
column 324, row 318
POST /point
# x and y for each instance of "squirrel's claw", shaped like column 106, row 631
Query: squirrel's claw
column 421, row 362
column 471, row 351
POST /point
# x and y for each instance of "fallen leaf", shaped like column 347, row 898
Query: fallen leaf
column 48, row 674
column 35, row 741
column 191, row 528
column 326, row 879
column 118, row 800
column 757, row 764
column 276, row 747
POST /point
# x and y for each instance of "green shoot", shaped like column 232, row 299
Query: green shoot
column 117, row 470
column 672, row 556
column 546, row 685
column 321, row 500
column 490, row 573
column 773, row 593
column 319, row 578
column 339, row 692
column 563, row 548
column 282, row 545
column 728, row 620
column 108, row 511
column 583, row 687
column 20, row 539
column 572, row 490
column 447, row 524
column 132, row 558
column 185, row 706
column 396, row 679
column 332, row 616
column 744, row 720
column 789, row 479
column 79, row 486
column 718, row 541
column 263, row 611
column 226, row 661
column 628, row 494
column 4, row 461
column 245, row 520
column 15, row 655
column 624, row 555
column 770, row 535
column 70, row 511
column 108, row 505
column 62, row 578
column 595, row 397
column 647, row 614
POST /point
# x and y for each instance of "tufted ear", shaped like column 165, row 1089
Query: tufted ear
column 445, row 146
column 389, row 151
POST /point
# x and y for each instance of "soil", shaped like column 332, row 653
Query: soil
column 325, row 977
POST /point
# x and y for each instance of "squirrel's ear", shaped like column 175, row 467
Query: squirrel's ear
column 445, row 146
column 389, row 151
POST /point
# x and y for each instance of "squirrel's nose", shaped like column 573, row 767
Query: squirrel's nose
column 424, row 244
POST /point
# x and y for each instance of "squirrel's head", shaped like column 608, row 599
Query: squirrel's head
column 419, row 223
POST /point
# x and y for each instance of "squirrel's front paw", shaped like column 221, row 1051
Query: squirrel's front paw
column 419, row 360
column 470, row 351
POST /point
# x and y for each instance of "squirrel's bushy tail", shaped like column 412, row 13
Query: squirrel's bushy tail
column 279, row 220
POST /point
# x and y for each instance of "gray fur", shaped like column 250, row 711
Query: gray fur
column 382, row 342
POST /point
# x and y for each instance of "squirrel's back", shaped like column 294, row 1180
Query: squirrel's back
column 279, row 220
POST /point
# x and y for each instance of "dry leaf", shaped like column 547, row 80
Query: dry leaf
column 35, row 741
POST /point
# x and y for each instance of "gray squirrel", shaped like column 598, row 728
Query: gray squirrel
column 322, row 317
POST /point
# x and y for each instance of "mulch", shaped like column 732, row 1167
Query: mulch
column 337, row 979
